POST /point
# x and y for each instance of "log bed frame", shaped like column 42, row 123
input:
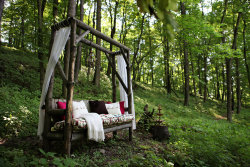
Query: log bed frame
column 67, row 136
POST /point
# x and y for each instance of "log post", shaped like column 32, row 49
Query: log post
column 70, row 85
column 113, row 86
column 129, row 94
column 47, row 119
column 48, row 100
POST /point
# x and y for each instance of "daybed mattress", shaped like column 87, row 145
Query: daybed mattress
column 108, row 120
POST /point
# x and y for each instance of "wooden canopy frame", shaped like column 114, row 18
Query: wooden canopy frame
column 68, row 134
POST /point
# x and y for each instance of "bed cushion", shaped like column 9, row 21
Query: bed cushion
column 98, row 107
column 122, row 107
column 113, row 108
column 108, row 120
column 79, row 109
column 61, row 105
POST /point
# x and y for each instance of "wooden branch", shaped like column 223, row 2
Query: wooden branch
column 128, row 125
column 100, row 35
column 78, row 39
column 64, row 23
column 61, row 72
column 94, row 45
column 124, row 56
column 57, row 112
column 116, row 53
column 129, row 87
column 116, row 73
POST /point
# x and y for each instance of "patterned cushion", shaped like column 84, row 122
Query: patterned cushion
column 108, row 119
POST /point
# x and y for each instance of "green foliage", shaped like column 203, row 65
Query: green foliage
column 19, row 112
column 199, row 135
column 86, row 90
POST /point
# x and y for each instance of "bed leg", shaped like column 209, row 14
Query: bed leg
column 46, row 145
column 114, row 134
column 130, row 134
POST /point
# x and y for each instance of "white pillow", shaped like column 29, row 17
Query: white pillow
column 113, row 108
column 79, row 109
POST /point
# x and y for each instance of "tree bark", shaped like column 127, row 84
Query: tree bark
column 98, row 42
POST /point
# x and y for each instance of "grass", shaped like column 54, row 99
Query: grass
column 200, row 135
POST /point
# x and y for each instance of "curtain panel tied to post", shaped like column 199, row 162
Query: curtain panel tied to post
column 59, row 43
column 123, row 95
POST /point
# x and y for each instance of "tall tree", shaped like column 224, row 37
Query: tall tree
column 1, row 11
column 245, row 51
column 166, row 51
column 98, row 42
column 186, row 61
column 113, row 28
column 237, row 64
column 41, row 6
column 79, row 47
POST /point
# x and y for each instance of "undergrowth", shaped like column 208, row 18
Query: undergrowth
column 200, row 134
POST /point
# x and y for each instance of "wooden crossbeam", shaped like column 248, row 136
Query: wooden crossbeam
column 94, row 45
column 61, row 72
column 78, row 39
column 64, row 23
column 124, row 56
column 116, row 53
column 116, row 73
column 100, row 35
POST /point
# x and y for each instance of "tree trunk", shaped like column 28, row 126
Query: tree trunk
column 199, row 74
column 166, row 51
column 113, row 29
column 245, row 51
column 41, row 5
column 186, row 63
column 98, row 42
column 223, row 83
column 194, row 84
column 22, row 33
column 1, row 11
column 70, row 85
column 237, row 67
column 79, row 48
column 205, row 78
column 217, row 82
column 137, row 47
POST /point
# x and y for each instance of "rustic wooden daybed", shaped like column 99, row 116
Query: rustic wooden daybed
column 68, row 135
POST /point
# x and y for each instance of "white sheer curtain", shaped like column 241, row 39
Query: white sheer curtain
column 123, row 95
column 60, row 40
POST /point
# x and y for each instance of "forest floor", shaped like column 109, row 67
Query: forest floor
column 200, row 134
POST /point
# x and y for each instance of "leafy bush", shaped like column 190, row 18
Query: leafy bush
column 19, row 111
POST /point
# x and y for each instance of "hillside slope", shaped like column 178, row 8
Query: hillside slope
column 200, row 135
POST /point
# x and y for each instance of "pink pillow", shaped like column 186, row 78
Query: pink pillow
column 61, row 105
column 122, row 107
